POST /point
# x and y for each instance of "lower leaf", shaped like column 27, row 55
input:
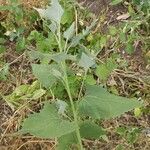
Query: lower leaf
column 47, row 123
column 90, row 130
column 67, row 141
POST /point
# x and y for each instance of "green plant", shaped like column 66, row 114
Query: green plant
column 17, row 20
column 67, row 119
column 129, row 134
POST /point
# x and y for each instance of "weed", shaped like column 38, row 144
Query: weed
column 68, row 62
column 54, row 69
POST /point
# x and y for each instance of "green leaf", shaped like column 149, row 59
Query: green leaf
column 38, row 93
column 44, row 74
column 137, row 112
column 129, row 48
column 53, row 27
column 100, row 104
column 67, row 17
column 115, row 2
column 104, row 70
column 90, row 130
column 76, row 40
column 38, row 55
column 113, row 30
column 86, row 62
column 60, row 57
column 21, row 44
column 47, row 124
column 90, row 80
column 122, row 131
column 68, row 34
column 65, row 142
column 61, row 106
column 21, row 90
column 53, row 12
column 4, row 72
column 2, row 49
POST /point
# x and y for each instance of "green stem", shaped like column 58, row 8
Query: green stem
column 59, row 39
column 82, row 84
column 66, row 83
column 73, row 108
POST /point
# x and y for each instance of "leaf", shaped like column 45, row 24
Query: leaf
column 44, row 74
column 76, row 40
column 60, row 57
column 90, row 80
column 121, row 131
column 100, row 104
column 137, row 112
column 4, row 72
column 129, row 48
column 90, row 130
column 21, row 44
column 61, row 106
column 115, row 2
column 86, row 32
column 86, row 62
column 65, row 142
column 38, row 93
column 2, row 49
column 47, row 124
column 103, row 71
column 21, row 90
column 43, row 57
column 68, row 34
column 68, row 16
column 113, row 30
column 53, row 12
column 53, row 27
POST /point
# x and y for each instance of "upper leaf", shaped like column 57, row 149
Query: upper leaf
column 61, row 106
column 44, row 74
column 58, row 57
column 68, row 34
column 47, row 124
column 100, row 104
column 86, row 62
column 53, row 12
column 76, row 40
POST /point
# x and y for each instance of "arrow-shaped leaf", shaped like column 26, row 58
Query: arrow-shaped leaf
column 100, row 104
column 47, row 124
column 53, row 12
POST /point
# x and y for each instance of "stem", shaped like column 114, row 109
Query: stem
column 66, row 45
column 59, row 38
column 66, row 83
column 82, row 84
column 72, row 107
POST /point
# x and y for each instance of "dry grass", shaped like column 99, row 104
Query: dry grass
column 27, row 3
